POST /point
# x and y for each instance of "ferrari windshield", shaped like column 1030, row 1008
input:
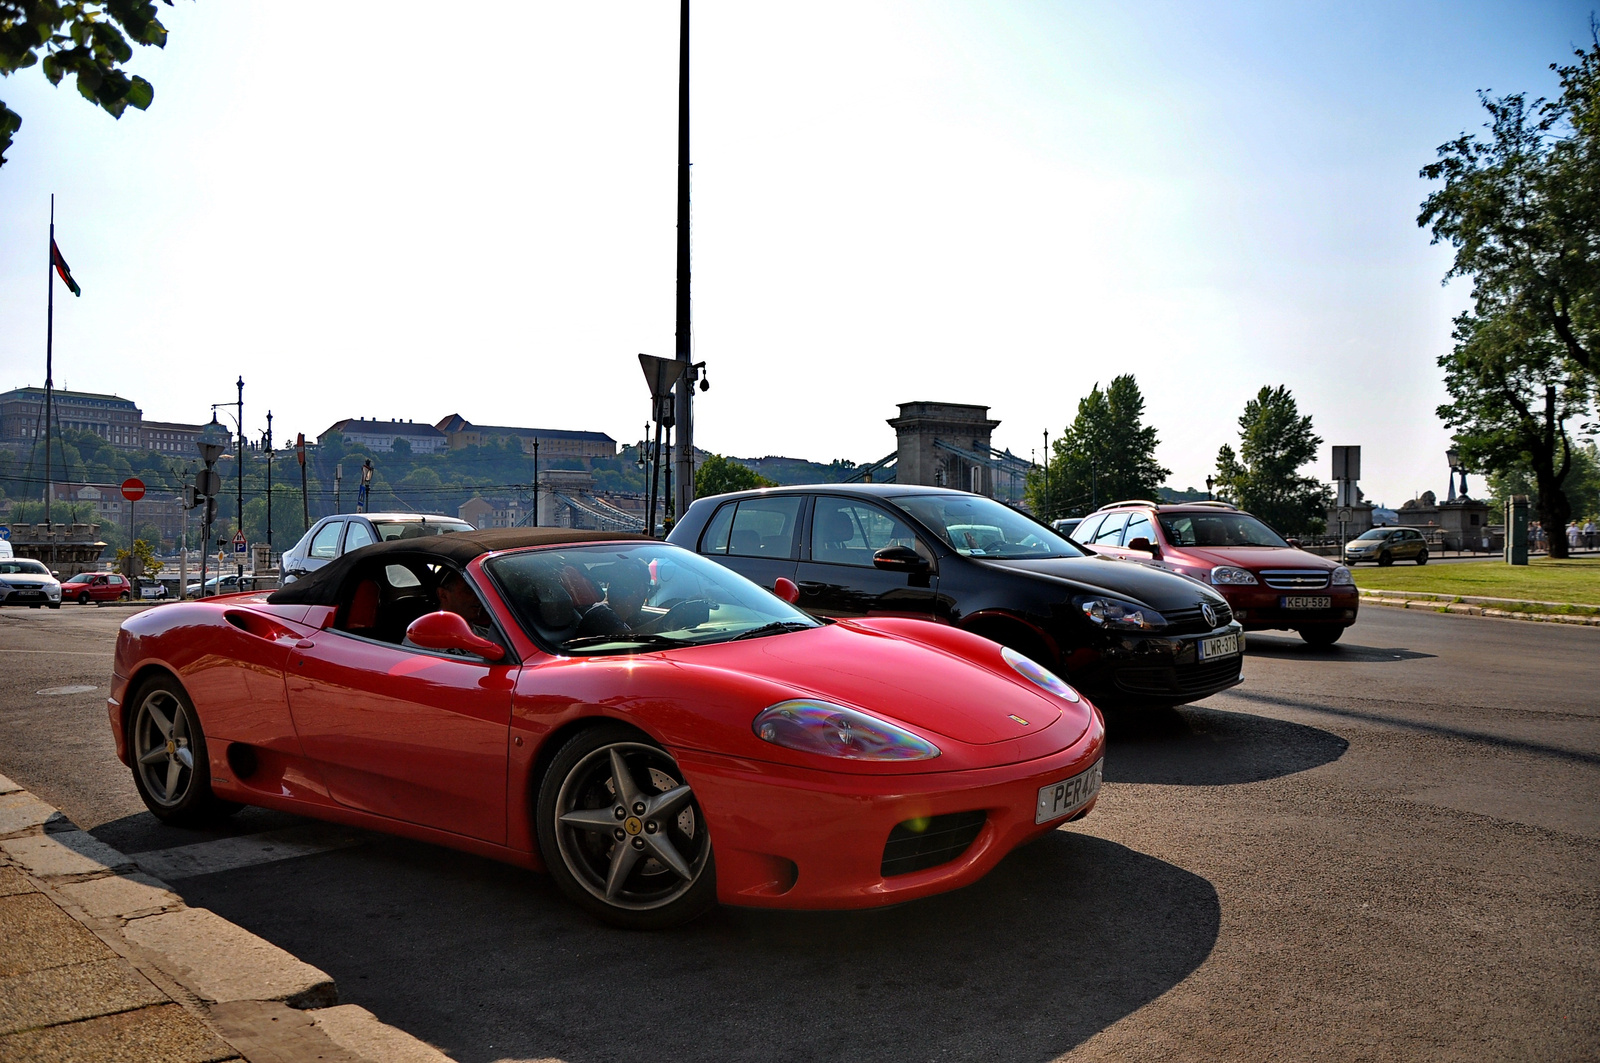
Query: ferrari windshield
column 975, row 526
column 1218, row 529
column 634, row 597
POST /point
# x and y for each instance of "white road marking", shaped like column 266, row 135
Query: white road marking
column 57, row 691
column 69, row 653
column 226, row 854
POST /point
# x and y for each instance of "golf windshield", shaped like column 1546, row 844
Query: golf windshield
column 1218, row 529
column 975, row 526
column 633, row 597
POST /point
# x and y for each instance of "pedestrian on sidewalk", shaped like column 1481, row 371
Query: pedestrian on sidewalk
column 1588, row 534
column 1574, row 536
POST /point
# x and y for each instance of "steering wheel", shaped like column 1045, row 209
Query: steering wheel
column 691, row 612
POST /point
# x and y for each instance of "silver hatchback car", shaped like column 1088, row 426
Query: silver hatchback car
column 334, row 536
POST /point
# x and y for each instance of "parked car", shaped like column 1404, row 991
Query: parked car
column 1125, row 634
column 1386, row 546
column 24, row 581
column 337, row 535
column 1066, row 525
column 1269, row 582
column 232, row 583
column 88, row 587
column 638, row 704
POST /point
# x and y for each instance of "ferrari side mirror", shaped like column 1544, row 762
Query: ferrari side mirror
column 786, row 589
column 449, row 631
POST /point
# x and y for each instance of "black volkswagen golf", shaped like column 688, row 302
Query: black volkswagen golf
column 1125, row 634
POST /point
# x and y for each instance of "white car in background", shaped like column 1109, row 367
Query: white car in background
column 334, row 536
column 24, row 581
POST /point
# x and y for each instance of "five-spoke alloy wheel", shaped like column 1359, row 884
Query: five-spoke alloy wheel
column 168, row 750
column 621, row 833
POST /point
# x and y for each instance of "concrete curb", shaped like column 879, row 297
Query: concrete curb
column 264, row 1003
column 1448, row 604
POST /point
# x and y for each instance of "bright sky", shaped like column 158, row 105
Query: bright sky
column 365, row 213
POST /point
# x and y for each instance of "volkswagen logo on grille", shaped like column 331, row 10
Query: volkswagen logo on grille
column 1209, row 613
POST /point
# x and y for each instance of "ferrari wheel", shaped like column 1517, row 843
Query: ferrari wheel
column 168, row 748
column 621, row 833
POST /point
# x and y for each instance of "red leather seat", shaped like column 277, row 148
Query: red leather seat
column 363, row 614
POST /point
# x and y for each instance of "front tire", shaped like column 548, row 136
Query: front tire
column 123, row 597
column 1422, row 557
column 83, row 599
column 1385, row 559
column 621, row 833
column 1321, row 636
column 168, row 747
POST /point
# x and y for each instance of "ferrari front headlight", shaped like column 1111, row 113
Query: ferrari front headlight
column 1038, row 674
column 830, row 730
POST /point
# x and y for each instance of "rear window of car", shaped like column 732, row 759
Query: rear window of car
column 766, row 527
column 326, row 545
column 415, row 529
column 1110, row 531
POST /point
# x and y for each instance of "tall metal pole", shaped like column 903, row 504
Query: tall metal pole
column 684, row 419
column 239, row 524
column 305, row 500
column 535, row 481
column 49, row 354
column 269, row 481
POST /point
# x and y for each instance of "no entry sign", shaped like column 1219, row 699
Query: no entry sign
column 133, row 489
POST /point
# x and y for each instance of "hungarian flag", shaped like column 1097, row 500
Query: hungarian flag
column 62, row 268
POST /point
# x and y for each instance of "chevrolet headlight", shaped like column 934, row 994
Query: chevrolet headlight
column 830, row 730
column 1121, row 616
column 1342, row 577
column 1232, row 576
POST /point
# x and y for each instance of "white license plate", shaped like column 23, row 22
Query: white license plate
column 1066, row 797
column 1314, row 602
column 1221, row 646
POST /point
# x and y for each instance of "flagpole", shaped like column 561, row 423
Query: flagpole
column 49, row 353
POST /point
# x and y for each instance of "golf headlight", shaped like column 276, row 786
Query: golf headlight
column 1120, row 615
column 834, row 731
column 1342, row 577
column 1038, row 674
column 1230, row 576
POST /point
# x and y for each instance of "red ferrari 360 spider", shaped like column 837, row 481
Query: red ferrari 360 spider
column 654, row 730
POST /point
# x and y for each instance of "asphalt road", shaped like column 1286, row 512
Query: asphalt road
column 1387, row 850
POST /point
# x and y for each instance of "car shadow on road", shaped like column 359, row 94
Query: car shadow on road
column 1064, row 938
column 1200, row 746
column 1291, row 648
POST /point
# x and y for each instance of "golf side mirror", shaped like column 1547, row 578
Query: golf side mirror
column 899, row 559
column 449, row 631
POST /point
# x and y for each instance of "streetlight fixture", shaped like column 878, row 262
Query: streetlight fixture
column 1453, row 456
column 1210, row 482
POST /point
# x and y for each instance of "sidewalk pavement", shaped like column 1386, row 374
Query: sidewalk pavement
column 99, row 962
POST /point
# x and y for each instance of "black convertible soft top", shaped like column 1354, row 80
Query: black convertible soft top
column 322, row 586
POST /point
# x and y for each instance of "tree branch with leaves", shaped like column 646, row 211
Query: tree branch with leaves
column 88, row 40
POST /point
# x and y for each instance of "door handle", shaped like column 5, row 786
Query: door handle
column 811, row 585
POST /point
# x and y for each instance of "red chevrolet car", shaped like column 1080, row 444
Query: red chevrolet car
column 88, row 587
column 1269, row 583
column 654, row 730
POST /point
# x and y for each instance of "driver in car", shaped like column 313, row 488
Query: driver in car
column 456, row 597
column 620, row 612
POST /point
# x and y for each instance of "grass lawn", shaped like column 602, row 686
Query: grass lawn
column 1543, row 580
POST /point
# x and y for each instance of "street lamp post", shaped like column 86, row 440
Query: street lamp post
column 238, row 422
column 1209, row 484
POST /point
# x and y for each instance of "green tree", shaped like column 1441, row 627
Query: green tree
column 717, row 476
column 1513, row 389
column 1522, row 209
column 89, row 39
column 138, row 560
column 1106, row 454
column 1264, row 476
